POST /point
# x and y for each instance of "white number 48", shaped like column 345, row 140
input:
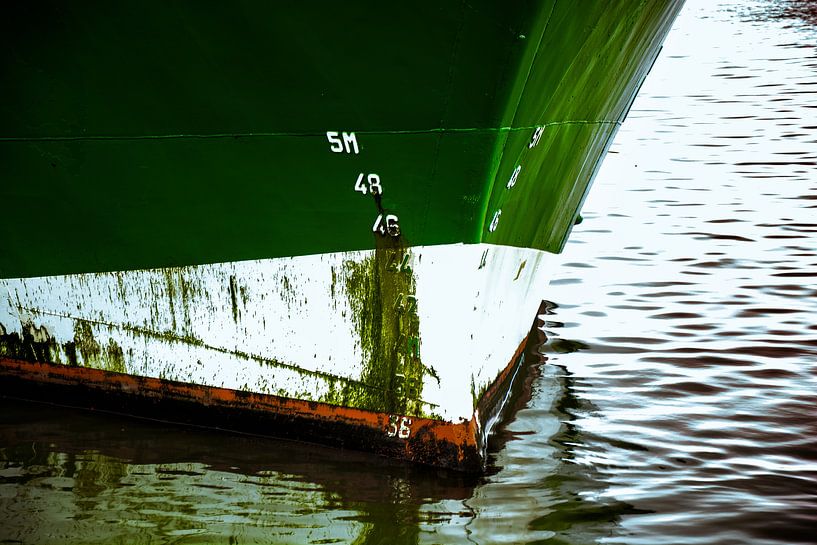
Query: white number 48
column 374, row 184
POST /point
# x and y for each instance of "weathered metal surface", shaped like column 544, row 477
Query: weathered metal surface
column 421, row 440
column 459, row 445
column 418, row 331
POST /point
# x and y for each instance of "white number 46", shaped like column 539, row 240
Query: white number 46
column 374, row 184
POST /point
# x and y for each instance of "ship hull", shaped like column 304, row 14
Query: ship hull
column 391, row 344
column 290, row 216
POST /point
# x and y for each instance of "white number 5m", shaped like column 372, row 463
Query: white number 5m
column 342, row 142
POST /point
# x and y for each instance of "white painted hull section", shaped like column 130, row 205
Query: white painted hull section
column 286, row 326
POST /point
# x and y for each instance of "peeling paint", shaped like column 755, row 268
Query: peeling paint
column 114, row 360
column 441, row 444
column 233, row 297
column 34, row 344
column 171, row 294
column 85, row 342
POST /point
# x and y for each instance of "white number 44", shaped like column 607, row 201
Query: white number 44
column 374, row 184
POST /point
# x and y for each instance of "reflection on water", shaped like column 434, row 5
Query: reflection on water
column 84, row 478
column 539, row 487
column 677, row 404
column 802, row 13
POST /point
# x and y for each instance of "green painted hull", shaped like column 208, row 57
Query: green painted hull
column 166, row 134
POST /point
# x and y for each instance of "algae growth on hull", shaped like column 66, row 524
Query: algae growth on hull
column 250, row 326
column 36, row 344
column 382, row 293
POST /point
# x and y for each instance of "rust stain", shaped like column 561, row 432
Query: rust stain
column 432, row 442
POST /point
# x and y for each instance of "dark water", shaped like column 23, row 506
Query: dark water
column 679, row 400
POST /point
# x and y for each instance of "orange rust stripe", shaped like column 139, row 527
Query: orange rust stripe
column 432, row 442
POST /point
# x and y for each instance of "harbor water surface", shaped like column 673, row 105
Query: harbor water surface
column 678, row 401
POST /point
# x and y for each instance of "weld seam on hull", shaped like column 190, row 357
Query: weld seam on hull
column 303, row 134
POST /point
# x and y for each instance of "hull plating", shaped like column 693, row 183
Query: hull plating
column 418, row 331
column 239, row 132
